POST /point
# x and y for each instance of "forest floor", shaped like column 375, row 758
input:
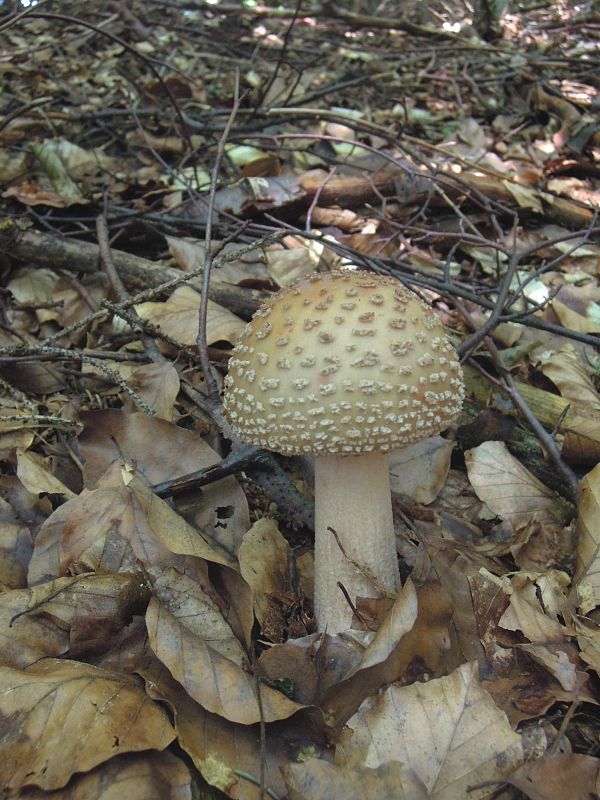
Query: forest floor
column 165, row 167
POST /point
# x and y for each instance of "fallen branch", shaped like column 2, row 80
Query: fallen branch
column 59, row 253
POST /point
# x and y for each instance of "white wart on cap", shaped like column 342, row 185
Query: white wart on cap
column 342, row 362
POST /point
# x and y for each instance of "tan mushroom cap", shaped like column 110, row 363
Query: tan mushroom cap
column 342, row 362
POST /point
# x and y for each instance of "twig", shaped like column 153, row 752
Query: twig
column 244, row 459
column 106, row 259
column 248, row 777
column 117, row 285
column 315, row 199
column 510, row 387
column 212, row 388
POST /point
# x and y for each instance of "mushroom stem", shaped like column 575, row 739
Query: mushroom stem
column 352, row 496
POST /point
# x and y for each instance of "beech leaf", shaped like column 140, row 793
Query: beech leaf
column 63, row 717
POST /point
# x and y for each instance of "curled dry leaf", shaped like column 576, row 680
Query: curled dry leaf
column 189, row 254
column 587, row 571
column 378, row 663
column 91, row 608
column 63, row 717
column 420, row 470
column 116, row 528
column 588, row 639
column 178, row 317
column 162, row 451
column 16, row 545
column 433, row 727
column 556, row 661
column 320, row 780
column 158, row 385
column 572, row 305
column 220, row 684
column 526, row 613
column 143, row 776
column 558, row 776
column 36, row 477
column 228, row 755
column 33, row 286
column 490, row 600
column 508, row 489
column 566, row 369
column 25, row 638
column 264, row 557
column 415, row 628
column 286, row 266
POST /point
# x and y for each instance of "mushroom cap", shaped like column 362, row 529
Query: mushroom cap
column 343, row 362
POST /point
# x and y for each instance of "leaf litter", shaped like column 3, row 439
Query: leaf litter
column 156, row 620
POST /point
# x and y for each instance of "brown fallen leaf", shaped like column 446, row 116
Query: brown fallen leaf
column 527, row 614
column 449, row 730
column 587, row 571
column 508, row 488
column 116, row 528
column 558, row 776
column 63, row 717
column 178, row 317
column 220, row 684
column 163, row 451
column 26, row 638
column 490, row 601
column 16, row 545
column 555, row 659
column 91, row 608
column 320, row 780
column 588, row 639
column 420, row 470
column 229, row 756
column 264, row 557
column 567, row 370
column 36, row 476
column 382, row 662
column 144, row 776
column 157, row 384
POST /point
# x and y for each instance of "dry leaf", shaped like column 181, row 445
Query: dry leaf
column 587, row 571
column 565, row 369
column 449, row 730
column 16, row 545
column 115, row 528
column 26, row 638
column 508, row 489
column 556, row 661
column 178, row 317
column 572, row 306
column 287, row 266
column 35, row 477
column 320, row 780
column 158, row 385
column 103, row 713
column 420, row 470
column 228, row 755
column 92, row 609
column 218, row 683
column 264, row 558
column 162, row 451
column 558, row 776
column 588, row 639
column 525, row 613
column 143, row 776
column 415, row 627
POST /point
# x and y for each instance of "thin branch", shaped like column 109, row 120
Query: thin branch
column 212, row 388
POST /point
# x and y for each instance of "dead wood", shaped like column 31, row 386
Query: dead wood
column 57, row 253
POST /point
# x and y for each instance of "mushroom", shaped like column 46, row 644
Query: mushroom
column 345, row 366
